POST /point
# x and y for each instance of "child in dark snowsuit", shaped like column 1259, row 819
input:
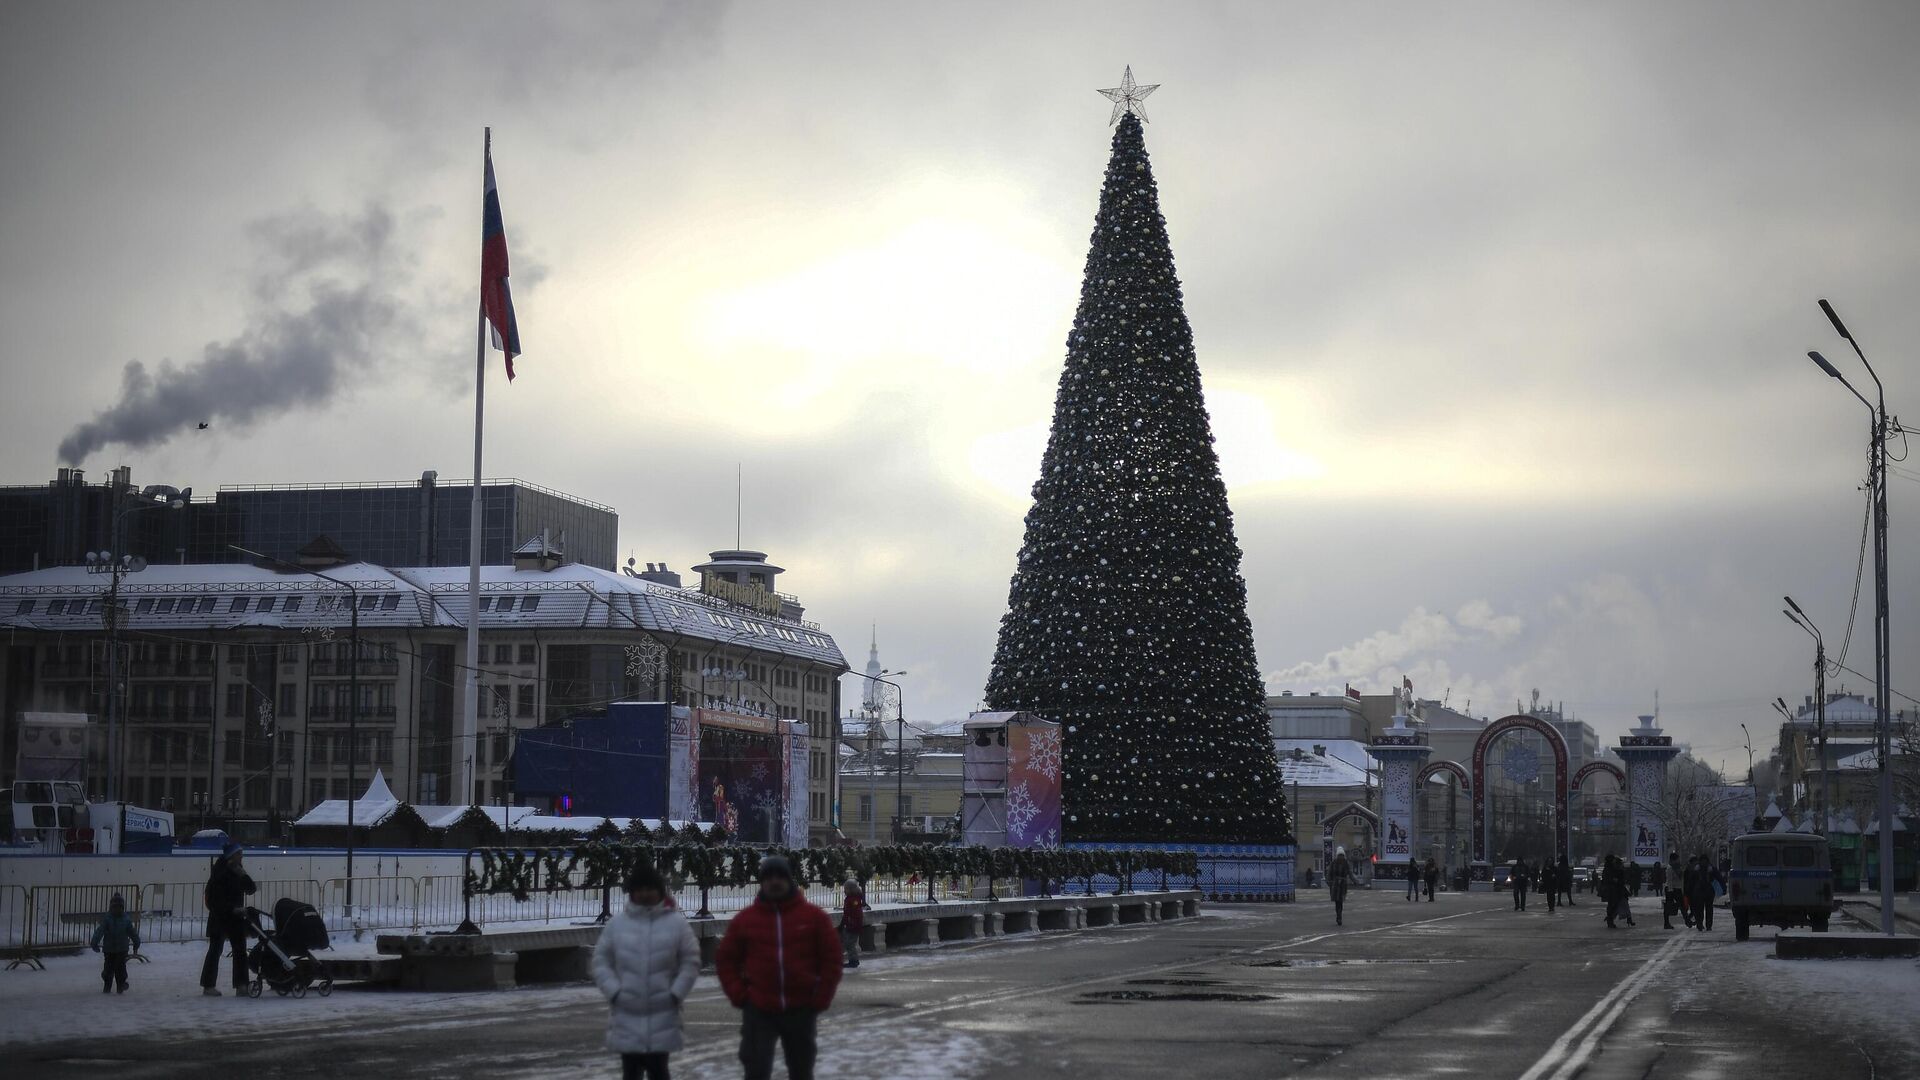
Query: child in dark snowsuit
column 113, row 938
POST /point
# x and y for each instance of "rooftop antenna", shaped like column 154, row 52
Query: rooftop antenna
column 1656, row 704
column 739, row 485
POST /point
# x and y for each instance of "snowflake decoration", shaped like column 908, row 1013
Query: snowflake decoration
column 1521, row 764
column 324, row 633
column 1043, row 753
column 266, row 717
column 645, row 660
column 1020, row 811
column 1048, row 840
column 760, row 770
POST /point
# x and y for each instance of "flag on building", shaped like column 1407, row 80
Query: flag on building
column 495, row 297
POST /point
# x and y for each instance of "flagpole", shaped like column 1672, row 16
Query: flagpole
column 470, row 711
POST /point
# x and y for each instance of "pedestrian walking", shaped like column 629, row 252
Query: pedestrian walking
column 1413, row 879
column 1563, row 879
column 645, row 964
column 853, row 919
column 1613, row 889
column 780, row 965
column 113, row 938
column 1432, row 878
column 1549, row 884
column 1700, row 893
column 1518, row 879
column 1339, row 876
column 228, row 887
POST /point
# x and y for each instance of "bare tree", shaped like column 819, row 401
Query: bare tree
column 1696, row 813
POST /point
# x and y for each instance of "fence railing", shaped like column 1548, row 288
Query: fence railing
column 62, row 917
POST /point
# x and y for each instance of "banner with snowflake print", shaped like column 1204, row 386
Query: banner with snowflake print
column 1033, row 784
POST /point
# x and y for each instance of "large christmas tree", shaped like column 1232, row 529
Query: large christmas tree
column 1127, row 618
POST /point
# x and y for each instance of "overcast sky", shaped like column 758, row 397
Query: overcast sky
column 1502, row 311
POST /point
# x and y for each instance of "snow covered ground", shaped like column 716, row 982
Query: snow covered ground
column 65, row 1001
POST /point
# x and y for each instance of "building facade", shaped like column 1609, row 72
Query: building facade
column 240, row 696
column 405, row 523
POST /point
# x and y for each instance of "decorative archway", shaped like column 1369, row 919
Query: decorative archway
column 1458, row 771
column 1464, row 783
column 1592, row 767
column 1481, row 840
column 1351, row 810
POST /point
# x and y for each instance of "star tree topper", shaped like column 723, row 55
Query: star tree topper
column 1127, row 97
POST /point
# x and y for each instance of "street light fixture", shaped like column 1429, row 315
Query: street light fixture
column 1882, row 636
column 1803, row 621
column 353, row 694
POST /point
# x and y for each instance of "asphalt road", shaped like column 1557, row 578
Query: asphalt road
column 1459, row 987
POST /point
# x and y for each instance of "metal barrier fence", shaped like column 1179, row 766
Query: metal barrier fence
column 61, row 917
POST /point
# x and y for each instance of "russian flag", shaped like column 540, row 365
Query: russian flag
column 495, row 297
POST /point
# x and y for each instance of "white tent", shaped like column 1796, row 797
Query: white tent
column 369, row 809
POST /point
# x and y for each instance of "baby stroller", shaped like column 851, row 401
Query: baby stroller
column 284, row 957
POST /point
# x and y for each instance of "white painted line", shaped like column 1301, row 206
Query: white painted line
column 1575, row 1046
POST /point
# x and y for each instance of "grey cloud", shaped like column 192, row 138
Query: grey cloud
column 333, row 272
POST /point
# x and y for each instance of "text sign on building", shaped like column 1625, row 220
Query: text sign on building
column 753, row 596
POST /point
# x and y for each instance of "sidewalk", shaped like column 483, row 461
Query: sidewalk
column 1906, row 909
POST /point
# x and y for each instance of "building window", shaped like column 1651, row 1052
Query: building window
column 500, row 748
column 266, row 604
column 1319, row 813
column 316, row 749
column 238, row 604
column 503, row 654
column 231, row 753
column 866, row 808
column 289, row 703
column 165, row 606
column 528, row 655
column 504, row 603
column 390, row 603
column 528, row 603
column 316, row 792
column 285, row 794
column 523, row 704
column 236, row 699
column 25, row 607
column 291, row 603
column 906, row 807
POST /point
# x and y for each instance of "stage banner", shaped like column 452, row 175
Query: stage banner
column 740, row 765
column 797, row 773
column 683, row 767
column 1396, row 798
column 1033, row 785
column 1645, row 776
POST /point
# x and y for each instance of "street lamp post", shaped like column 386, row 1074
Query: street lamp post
column 353, row 693
column 1801, row 620
column 117, row 563
column 900, row 752
column 1882, row 638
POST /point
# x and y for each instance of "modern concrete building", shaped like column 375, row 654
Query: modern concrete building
column 420, row 522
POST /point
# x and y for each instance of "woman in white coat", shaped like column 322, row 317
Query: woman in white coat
column 645, row 964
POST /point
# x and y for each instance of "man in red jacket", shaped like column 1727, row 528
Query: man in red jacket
column 779, row 964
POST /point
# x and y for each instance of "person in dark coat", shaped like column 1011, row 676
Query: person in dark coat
column 779, row 963
column 1563, row 879
column 226, row 895
column 1339, row 876
column 1613, row 889
column 1432, row 877
column 1700, row 891
column 1549, row 883
column 113, row 938
column 1518, row 880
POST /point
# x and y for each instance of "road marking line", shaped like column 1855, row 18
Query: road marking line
column 1566, row 1056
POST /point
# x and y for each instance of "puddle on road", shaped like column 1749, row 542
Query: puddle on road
column 1288, row 963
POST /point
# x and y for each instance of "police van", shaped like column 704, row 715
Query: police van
column 1779, row 879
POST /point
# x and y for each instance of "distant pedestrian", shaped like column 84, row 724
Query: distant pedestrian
column 1563, row 879
column 1413, row 879
column 780, row 963
column 228, row 887
column 1700, row 892
column 1549, row 884
column 113, row 938
column 1432, row 878
column 1613, row 889
column 1517, row 878
column 645, row 965
column 1339, row 876
column 853, row 919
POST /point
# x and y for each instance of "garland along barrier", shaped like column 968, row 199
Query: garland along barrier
column 604, row 864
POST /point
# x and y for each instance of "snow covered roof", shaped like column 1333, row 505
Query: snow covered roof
column 369, row 810
column 234, row 595
column 1312, row 770
column 1351, row 752
column 445, row 817
column 552, row 823
column 1772, row 812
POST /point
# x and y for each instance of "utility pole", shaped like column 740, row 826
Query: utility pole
column 1882, row 640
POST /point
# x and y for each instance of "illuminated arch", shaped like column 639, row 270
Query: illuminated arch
column 1481, row 841
column 1591, row 767
column 1457, row 770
